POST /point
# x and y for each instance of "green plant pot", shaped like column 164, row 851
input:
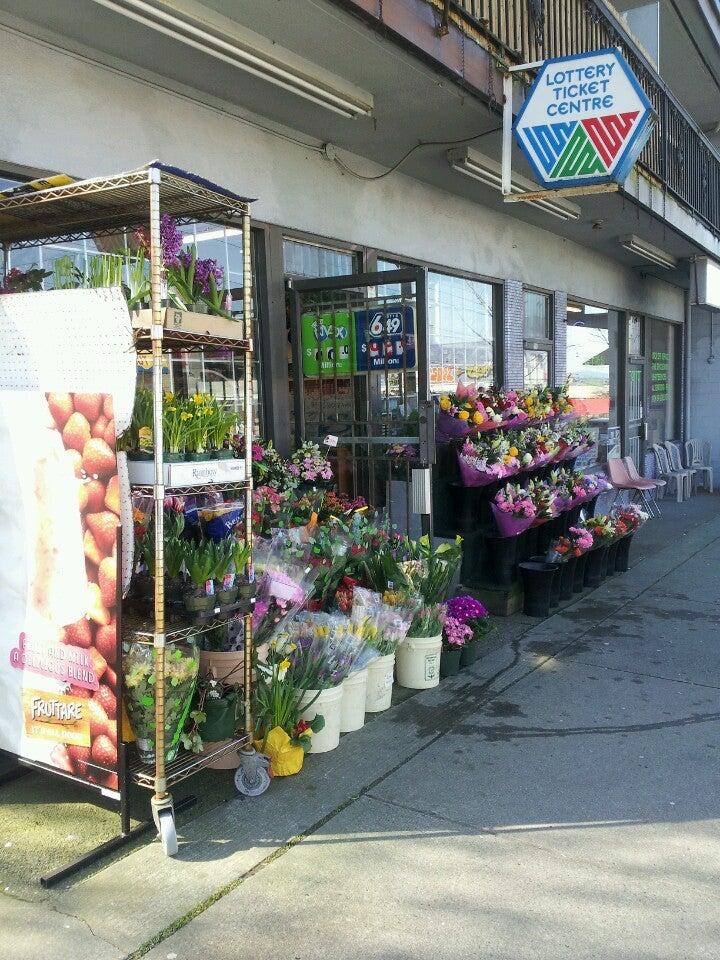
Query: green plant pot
column 199, row 603
column 140, row 455
column 221, row 718
column 173, row 457
column 197, row 457
column 469, row 654
column 181, row 671
column 246, row 591
column 225, row 454
column 226, row 597
column 450, row 663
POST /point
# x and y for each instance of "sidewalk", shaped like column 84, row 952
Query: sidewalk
column 558, row 801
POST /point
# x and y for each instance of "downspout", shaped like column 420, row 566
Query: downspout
column 686, row 359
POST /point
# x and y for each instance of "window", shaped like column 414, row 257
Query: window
column 303, row 259
column 537, row 365
column 635, row 336
column 461, row 336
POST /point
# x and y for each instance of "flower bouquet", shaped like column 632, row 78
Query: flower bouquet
column 513, row 509
column 309, row 466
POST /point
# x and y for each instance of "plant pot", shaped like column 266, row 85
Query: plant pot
column 567, row 578
column 450, row 662
column 379, row 683
column 502, row 559
column 612, row 558
column 418, row 662
column 174, row 591
column 469, row 654
column 226, row 665
column 352, row 712
column 595, row 564
column 579, row 579
column 224, row 454
column 537, row 578
column 140, row 455
column 227, row 596
column 194, row 457
column 622, row 557
column 199, row 603
column 181, row 672
column 173, row 457
column 220, row 718
column 246, row 591
column 329, row 705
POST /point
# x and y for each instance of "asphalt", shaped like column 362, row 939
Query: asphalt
column 559, row 800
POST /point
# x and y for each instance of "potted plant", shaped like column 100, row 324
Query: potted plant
column 137, row 440
column 181, row 671
column 223, row 574
column 419, row 659
column 198, row 423
column 200, row 563
column 455, row 635
column 222, row 427
column 175, row 415
column 470, row 611
column 602, row 532
column 240, row 556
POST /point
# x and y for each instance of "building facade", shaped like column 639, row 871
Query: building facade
column 370, row 131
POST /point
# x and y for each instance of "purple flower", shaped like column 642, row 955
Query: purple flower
column 465, row 608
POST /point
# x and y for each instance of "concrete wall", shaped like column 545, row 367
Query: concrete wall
column 704, row 386
column 63, row 112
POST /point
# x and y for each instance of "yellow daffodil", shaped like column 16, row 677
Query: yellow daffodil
column 198, row 398
column 284, row 665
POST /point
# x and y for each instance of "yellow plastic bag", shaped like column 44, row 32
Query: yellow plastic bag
column 285, row 759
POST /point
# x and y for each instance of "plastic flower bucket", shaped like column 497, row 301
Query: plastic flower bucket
column 379, row 683
column 352, row 713
column 418, row 662
column 329, row 706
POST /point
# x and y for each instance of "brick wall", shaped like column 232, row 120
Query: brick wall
column 513, row 328
column 560, row 337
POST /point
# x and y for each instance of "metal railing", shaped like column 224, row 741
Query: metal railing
column 677, row 153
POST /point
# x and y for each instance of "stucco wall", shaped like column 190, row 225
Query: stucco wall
column 62, row 112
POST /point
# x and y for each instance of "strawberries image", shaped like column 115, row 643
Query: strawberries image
column 99, row 721
column 79, row 634
column 104, row 752
column 108, row 406
column 98, row 428
column 109, row 434
column 98, row 662
column 112, row 495
column 81, row 692
column 107, row 700
column 107, row 581
column 75, row 458
column 92, row 551
column 104, row 528
column 76, row 432
column 89, row 404
column 97, row 611
column 111, row 679
column 79, row 758
column 82, row 497
column 61, row 408
column 95, row 495
column 98, row 458
column 106, row 642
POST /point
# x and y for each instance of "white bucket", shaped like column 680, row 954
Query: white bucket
column 418, row 662
column 352, row 715
column 329, row 706
column 379, row 684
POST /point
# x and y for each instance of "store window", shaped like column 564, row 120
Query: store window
column 662, row 419
column 461, row 331
column 303, row 259
column 537, row 365
column 592, row 364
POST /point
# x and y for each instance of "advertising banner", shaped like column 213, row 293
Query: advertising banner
column 67, row 373
column 326, row 344
column 584, row 121
column 385, row 338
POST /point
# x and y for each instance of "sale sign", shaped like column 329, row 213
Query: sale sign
column 66, row 386
column 385, row 338
column 584, row 121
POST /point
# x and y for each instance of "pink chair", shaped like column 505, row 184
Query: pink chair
column 623, row 475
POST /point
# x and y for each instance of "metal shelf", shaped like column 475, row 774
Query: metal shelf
column 182, row 340
column 178, row 633
column 183, row 766
column 149, row 489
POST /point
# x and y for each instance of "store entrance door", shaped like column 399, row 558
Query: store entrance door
column 636, row 424
column 361, row 386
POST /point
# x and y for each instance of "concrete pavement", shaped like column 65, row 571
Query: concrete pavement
column 556, row 801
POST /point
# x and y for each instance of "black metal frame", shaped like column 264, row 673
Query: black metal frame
column 411, row 275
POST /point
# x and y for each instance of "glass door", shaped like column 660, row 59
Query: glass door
column 636, row 429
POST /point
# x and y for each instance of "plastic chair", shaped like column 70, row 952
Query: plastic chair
column 676, row 464
column 697, row 457
column 621, row 479
column 645, row 485
column 677, row 477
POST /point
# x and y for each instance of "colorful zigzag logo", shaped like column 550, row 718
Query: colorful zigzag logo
column 580, row 148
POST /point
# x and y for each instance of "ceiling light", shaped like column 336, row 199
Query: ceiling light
column 648, row 252
column 487, row 171
column 571, row 308
column 197, row 26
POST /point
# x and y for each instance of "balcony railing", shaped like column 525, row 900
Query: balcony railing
column 677, row 153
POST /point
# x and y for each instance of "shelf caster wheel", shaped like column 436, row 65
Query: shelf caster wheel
column 252, row 777
column 168, row 834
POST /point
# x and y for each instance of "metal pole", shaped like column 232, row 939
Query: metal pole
column 507, row 134
column 156, row 334
column 248, row 412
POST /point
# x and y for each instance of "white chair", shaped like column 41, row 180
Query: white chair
column 697, row 457
column 665, row 472
column 676, row 465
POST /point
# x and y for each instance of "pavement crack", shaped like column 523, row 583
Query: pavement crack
column 84, row 922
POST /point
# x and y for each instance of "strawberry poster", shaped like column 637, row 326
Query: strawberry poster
column 66, row 387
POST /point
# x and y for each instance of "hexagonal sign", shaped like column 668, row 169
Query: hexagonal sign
column 584, row 121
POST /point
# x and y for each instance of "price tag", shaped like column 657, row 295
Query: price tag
column 330, row 440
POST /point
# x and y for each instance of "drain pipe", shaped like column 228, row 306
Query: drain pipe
column 690, row 299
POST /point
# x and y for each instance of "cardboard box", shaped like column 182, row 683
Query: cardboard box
column 183, row 321
column 187, row 473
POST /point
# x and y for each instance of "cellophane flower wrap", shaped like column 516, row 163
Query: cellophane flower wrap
column 324, row 647
column 382, row 625
column 513, row 510
column 284, row 587
column 628, row 519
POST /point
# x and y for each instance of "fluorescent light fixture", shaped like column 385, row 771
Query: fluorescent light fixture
column 648, row 252
column 486, row 170
column 211, row 235
column 218, row 36
column 572, row 308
